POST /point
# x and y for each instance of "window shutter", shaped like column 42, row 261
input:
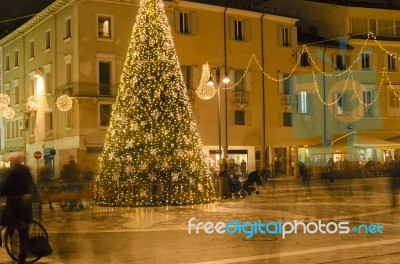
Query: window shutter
column 374, row 61
column 280, row 35
column 231, row 117
column 177, row 21
column 347, row 61
column 385, row 61
column 247, row 116
column 195, row 77
column 293, row 36
column 193, row 23
column 246, row 30
column 280, row 119
column 249, row 81
column 375, row 105
column 360, row 108
column 281, row 83
column 231, row 28
column 231, row 75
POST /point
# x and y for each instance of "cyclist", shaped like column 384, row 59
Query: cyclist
column 18, row 187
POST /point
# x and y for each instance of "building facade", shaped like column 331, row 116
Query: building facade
column 273, row 109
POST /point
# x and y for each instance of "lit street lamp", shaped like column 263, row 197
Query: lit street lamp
column 210, row 83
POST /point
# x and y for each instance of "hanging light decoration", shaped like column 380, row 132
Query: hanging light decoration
column 8, row 112
column 205, row 91
column 4, row 100
column 33, row 103
column 64, row 103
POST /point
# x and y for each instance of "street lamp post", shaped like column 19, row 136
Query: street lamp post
column 211, row 82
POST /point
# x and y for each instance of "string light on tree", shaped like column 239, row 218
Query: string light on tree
column 151, row 119
column 64, row 103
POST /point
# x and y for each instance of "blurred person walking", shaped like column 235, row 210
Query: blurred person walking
column 394, row 169
column 19, row 188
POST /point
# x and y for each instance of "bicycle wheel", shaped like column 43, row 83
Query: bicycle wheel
column 12, row 241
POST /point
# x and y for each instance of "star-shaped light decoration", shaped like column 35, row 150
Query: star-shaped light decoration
column 129, row 143
column 153, row 151
column 175, row 176
column 152, row 176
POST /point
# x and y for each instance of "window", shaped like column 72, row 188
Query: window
column 287, row 119
column 47, row 40
column 391, row 63
column 240, row 87
column 68, row 119
column 365, row 61
column 7, row 62
column 67, row 28
column 32, row 124
column 184, row 22
column 342, row 61
column 105, row 114
column 359, row 26
column 7, row 89
column 16, row 62
column 394, row 103
column 385, row 28
column 68, row 73
column 239, row 29
column 239, row 117
column 397, row 29
column 16, row 93
column 47, row 82
column 48, row 124
column 287, row 36
column 341, row 99
column 284, row 84
column 8, row 130
column 32, row 49
column 304, row 59
column 304, row 102
column 187, row 76
column 104, row 77
column 104, row 27
column 367, row 103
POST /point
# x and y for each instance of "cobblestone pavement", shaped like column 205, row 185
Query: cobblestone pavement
column 160, row 234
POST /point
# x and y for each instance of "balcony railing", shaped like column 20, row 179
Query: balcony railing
column 289, row 100
column 241, row 98
column 78, row 89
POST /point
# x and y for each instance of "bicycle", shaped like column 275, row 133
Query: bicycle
column 11, row 239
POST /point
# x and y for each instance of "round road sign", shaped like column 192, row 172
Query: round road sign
column 37, row 154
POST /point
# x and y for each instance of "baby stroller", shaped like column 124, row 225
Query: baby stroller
column 236, row 187
column 248, row 185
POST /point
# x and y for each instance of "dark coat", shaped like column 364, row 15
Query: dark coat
column 18, row 187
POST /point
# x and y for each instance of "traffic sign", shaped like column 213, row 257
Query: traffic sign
column 37, row 155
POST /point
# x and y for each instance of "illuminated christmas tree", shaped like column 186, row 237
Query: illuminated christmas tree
column 153, row 152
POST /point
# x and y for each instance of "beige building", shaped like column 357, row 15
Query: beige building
column 78, row 48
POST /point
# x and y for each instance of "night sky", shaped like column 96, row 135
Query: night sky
column 11, row 9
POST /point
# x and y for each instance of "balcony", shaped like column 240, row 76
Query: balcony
column 240, row 98
column 289, row 100
column 78, row 89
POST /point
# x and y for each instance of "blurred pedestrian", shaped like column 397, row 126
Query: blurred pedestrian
column 394, row 180
column 71, row 171
column 19, row 188
column 243, row 168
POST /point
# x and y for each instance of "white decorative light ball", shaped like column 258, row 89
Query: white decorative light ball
column 8, row 112
column 4, row 100
column 33, row 103
column 64, row 103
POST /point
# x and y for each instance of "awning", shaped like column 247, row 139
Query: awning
column 365, row 141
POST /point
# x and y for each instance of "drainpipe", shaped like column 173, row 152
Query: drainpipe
column 323, row 85
column 263, row 156
column 226, row 91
